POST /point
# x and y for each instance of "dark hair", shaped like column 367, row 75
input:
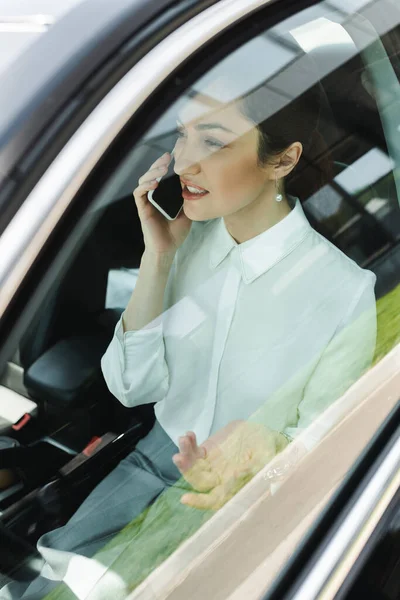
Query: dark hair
column 297, row 121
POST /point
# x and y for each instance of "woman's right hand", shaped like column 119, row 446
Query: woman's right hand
column 161, row 236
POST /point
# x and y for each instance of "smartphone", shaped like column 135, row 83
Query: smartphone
column 167, row 197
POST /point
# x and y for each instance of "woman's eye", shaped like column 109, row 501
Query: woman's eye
column 209, row 142
column 214, row 143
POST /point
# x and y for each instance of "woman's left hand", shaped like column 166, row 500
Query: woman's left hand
column 225, row 462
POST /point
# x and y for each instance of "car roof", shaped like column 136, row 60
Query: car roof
column 32, row 7
column 41, row 80
column 22, row 22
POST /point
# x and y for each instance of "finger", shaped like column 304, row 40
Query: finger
column 201, row 479
column 199, row 451
column 152, row 174
column 185, row 446
column 141, row 190
column 186, row 457
column 140, row 194
column 202, row 451
column 192, row 437
column 212, row 501
column 164, row 159
column 182, row 462
column 197, row 472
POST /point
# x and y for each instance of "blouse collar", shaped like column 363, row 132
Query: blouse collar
column 261, row 253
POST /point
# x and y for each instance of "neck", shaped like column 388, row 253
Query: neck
column 256, row 218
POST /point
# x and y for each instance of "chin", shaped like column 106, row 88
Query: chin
column 197, row 214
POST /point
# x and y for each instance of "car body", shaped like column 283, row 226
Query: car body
column 93, row 74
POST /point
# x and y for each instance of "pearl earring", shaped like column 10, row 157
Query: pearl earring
column 278, row 195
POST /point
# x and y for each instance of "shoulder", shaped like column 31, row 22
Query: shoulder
column 340, row 266
column 334, row 284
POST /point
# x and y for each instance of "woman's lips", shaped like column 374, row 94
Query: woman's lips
column 188, row 195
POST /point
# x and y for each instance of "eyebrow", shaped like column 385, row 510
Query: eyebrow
column 206, row 126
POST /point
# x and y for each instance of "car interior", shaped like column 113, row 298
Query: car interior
column 62, row 431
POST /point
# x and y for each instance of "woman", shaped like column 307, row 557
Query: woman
column 240, row 309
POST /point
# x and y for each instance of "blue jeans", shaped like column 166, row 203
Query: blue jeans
column 134, row 484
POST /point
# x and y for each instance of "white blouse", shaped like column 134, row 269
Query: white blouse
column 273, row 329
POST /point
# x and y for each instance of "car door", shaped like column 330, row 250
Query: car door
column 128, row 126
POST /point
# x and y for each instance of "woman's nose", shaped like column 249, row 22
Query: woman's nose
column 185, row 163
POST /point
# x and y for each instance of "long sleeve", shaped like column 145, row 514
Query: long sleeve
column 134, row 365
column 140, row 366
column 348, row 355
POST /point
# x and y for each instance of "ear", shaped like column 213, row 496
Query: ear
column 288, row 160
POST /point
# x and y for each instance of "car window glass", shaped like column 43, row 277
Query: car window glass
column 260, row 317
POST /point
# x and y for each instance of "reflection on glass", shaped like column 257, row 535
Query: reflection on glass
column 246, row 60
column 322, row 32
column 325, row 203
column 348, row 6
column 365, row 171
